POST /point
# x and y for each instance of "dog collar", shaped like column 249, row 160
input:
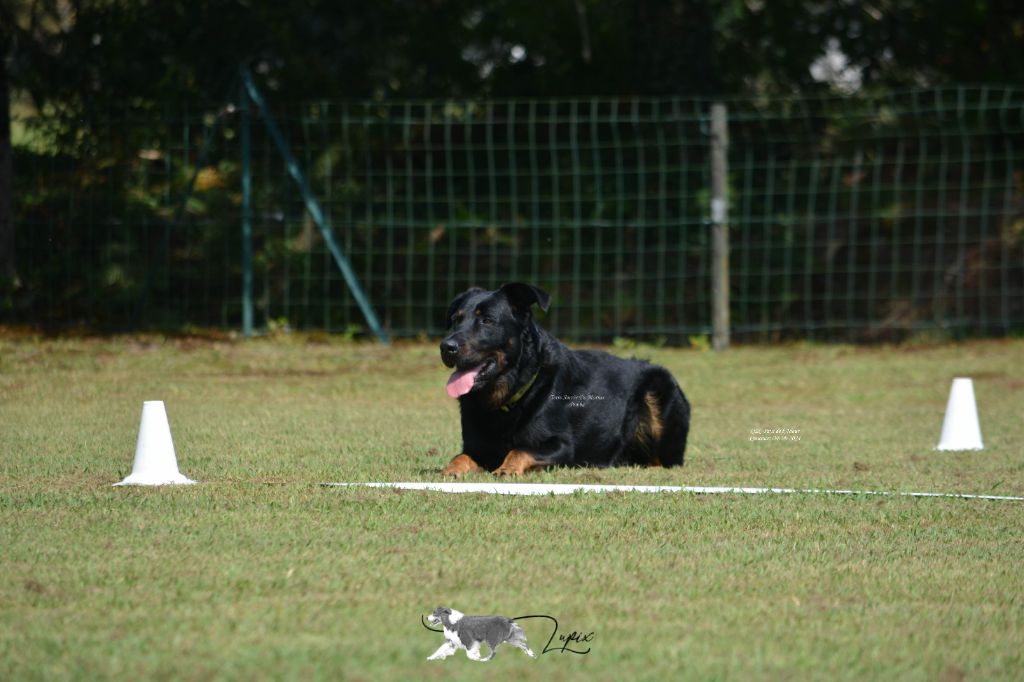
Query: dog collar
column 520, row 393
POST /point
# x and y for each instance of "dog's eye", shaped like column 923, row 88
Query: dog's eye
column 487, row 320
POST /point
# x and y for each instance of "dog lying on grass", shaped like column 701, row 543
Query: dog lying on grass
column 528, row 402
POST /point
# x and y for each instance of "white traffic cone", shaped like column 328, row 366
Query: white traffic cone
column 155, row 463
column 960, row 428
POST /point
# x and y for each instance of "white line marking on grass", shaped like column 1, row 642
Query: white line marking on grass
column 569, row 488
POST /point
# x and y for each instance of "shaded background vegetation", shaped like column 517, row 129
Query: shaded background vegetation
column 874, row 195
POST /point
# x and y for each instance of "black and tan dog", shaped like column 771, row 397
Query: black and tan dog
column 528, row 402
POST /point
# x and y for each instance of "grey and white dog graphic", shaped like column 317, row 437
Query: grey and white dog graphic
column 469, row 632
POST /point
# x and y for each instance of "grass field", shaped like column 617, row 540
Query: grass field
column 261, row 573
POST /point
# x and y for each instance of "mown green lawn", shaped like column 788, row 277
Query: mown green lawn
column 259, row 572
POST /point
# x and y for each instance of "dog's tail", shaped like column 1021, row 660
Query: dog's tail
column 658, row 420
column 517, row 638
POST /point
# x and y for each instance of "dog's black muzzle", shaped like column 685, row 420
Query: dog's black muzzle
column 449, row 352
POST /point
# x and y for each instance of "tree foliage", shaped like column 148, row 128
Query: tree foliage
column 77, row 66
column 84, row 54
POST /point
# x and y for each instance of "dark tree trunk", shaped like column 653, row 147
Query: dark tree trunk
column 8, row 273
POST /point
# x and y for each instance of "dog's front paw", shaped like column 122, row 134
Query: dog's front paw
column 517, row 463
column 460, row 466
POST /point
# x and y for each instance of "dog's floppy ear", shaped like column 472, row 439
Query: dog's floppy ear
column 522, row 296
column 457, row 303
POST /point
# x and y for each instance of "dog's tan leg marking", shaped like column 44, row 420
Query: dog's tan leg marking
column 517, row 463
column 650, row 427
column 654, row 409
column 460, row 466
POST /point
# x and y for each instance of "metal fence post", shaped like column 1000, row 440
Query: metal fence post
column 246, row 137
column 312, row 205
column 719, row 227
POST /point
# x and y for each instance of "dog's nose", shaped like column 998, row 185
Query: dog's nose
column 448, row 347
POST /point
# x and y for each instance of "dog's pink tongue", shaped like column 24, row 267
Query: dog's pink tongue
column 461, row 382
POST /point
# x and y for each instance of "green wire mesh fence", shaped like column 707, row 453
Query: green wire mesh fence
column 870, row 218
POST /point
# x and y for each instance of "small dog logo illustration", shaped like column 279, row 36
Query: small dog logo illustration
column 469, row 632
